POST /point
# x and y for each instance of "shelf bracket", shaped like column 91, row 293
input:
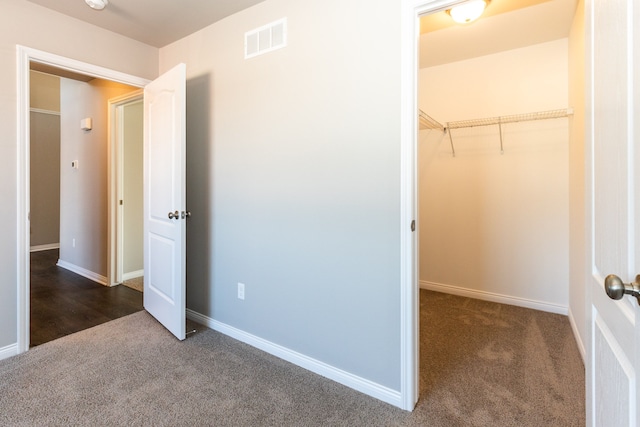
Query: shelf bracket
column 453, row 150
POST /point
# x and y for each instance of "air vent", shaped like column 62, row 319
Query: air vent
column 265, row 39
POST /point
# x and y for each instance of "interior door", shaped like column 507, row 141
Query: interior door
column 164, row 199
column 613, row 28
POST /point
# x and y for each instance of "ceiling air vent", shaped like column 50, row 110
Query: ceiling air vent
column 265, row 39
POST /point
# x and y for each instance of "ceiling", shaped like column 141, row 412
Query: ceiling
column 505, row 25
column 153, row 22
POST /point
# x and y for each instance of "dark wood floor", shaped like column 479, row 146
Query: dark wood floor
column 63, row 302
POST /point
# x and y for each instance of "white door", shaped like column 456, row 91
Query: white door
column 613, row 359
column 164, row 199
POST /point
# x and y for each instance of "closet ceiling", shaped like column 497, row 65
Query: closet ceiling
column 505, row 25
column 153, row 22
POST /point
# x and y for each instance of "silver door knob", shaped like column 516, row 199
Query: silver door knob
column 186, row 214
column 174, row 215
column 616, row 288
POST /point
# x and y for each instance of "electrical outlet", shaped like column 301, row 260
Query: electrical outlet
column 73, row 243
column 240, row 290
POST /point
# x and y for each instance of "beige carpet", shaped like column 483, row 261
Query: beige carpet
column 135, row 284
column 482, row 364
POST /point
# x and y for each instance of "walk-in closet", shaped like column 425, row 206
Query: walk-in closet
column 493, row 168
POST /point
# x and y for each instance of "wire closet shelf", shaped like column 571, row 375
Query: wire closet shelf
column 490, row 121
column 428, row 122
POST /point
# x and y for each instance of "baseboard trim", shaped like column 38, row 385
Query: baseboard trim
column 8, row 351
column 493, row 297
column 577, row 337
column 48, row 246
column 132, row 275
column 82, row 272
column 345, row 378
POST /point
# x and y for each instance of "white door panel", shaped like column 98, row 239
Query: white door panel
column 614, row 385
column 613, row 28
column 164, row 194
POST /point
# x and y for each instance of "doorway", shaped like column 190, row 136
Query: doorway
column 126, row 139
column 64, row 302
column 69, row 163
column 411, row 171
column 26, row 57
column 493, row 176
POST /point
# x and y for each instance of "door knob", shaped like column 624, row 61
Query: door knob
column 174, row 215
column 186, row 214
column 616, row 288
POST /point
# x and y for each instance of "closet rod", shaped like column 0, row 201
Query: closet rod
column 428, row 122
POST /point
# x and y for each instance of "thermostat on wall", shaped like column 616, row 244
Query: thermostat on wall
column 86, row 124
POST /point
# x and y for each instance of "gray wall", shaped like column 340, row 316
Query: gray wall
column 45, row 159
column 27, row 24
column 293, row 180
column 45, row 179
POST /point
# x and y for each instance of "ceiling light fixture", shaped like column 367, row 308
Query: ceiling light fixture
column 97, row 4
column 468, row 12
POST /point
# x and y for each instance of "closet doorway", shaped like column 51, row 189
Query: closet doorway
column 493, row 155
column 497, row 173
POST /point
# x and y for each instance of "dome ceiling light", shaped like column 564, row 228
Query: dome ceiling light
column 97, row 4
column 468, row 12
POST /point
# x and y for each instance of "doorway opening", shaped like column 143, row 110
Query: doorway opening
column 493, row 173
column 126, row 128
column 67, row 292
column 468, row 214
column 62, row 66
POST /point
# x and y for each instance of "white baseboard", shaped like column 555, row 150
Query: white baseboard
column 46, row 247
column 577, row 336
column 362, row 385
column 8, row 351
column 132, row 275
column 493, row 297
column 82, row 272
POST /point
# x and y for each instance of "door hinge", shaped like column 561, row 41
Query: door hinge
column 413, row 225
column 121, row 202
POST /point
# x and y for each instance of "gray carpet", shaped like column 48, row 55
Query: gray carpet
column 482, row 364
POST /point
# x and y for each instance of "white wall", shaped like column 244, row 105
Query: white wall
column 83, row 191
column 492, row 224
column 293, row 181
column 577, row 205
column 25, row 23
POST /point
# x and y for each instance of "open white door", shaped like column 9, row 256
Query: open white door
column 613, row 358
column 164, row 199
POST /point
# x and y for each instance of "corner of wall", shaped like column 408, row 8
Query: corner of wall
column 577, row 202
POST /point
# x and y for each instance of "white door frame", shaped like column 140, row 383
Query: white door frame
column 116, row 182
column 25, row 55
column 409, row 298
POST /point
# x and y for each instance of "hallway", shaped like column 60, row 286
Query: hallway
column 63, row 302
